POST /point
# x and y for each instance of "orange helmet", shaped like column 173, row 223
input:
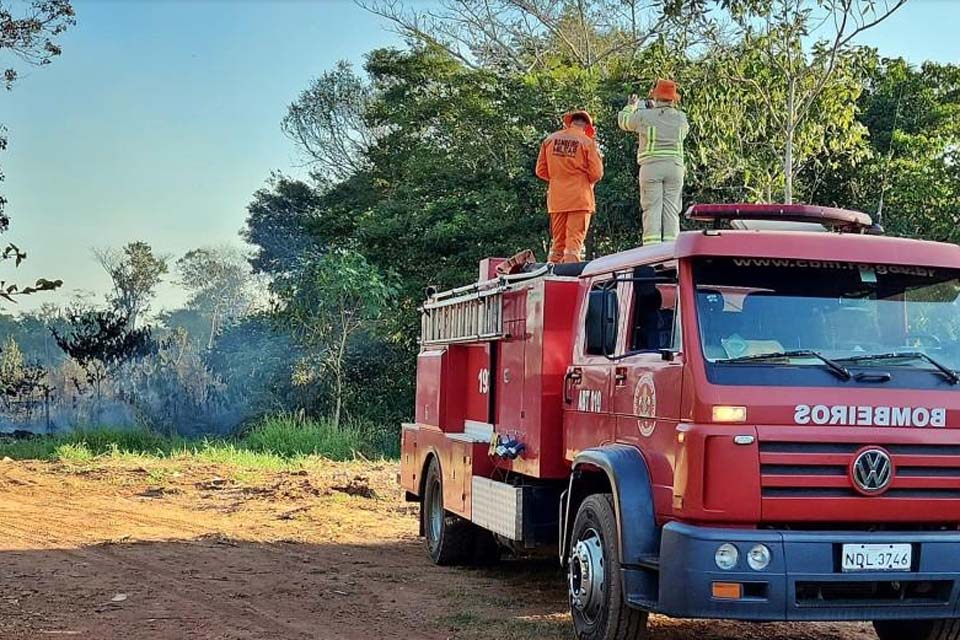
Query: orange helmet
column 589, row 129
column 665, row 90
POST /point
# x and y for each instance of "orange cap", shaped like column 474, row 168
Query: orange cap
column 665, row 90
column 589, row 129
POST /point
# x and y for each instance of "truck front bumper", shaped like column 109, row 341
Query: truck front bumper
column 804, row 580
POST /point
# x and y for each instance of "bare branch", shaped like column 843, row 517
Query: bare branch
column 517, row 33
column 842, row 39
column 549, row 23
column 409, row 24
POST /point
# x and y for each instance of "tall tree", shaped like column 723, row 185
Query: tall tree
column 739, row 136
column 796, row 51
column 219, row 281
column 135, row 271
column 327, row 305
column 327, row 122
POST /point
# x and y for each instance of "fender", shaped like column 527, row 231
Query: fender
column 430, row 454
column 637, row 530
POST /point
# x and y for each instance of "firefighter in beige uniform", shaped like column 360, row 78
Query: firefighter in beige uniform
column 662, row 128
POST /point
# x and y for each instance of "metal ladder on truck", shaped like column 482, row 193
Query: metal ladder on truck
column 473, row 313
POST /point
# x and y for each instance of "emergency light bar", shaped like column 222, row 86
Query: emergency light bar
column 830, row 217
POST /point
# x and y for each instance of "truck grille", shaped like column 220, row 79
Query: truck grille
column 820, row 470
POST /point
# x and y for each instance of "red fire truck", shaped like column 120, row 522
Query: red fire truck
column 747, row 423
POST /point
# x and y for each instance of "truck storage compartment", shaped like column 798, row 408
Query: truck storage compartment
column 527, row 513
column 493, row 360
column 440, row 374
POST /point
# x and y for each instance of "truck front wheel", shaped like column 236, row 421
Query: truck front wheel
column 917, row 629
column 450, row 538
column 596, row 598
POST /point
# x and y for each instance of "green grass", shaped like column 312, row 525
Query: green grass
column 274, row 443
column 73, row 452
column 285, row 437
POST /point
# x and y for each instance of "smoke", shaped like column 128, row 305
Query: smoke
column 195, row 376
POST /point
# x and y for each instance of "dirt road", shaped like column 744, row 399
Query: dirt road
column 170, row 550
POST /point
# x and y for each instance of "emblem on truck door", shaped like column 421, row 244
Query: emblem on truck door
column 872, row 471
column 645, row 404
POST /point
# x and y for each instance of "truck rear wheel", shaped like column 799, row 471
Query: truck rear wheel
column 596, row 598
column 918, row 629
column 450, row 538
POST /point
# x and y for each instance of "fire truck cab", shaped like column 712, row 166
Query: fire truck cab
column 752, row 424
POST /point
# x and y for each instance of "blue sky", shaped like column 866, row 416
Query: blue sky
column 162, row 117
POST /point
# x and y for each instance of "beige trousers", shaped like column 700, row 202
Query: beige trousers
column 661, row 188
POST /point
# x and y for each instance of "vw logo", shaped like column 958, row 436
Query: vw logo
column 872, row 471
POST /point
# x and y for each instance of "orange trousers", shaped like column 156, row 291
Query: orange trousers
column 568, row 231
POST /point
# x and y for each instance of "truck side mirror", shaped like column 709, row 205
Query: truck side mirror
column 603, row 315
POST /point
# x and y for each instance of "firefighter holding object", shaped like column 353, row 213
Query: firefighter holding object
column 570, row 162
column 662, row 128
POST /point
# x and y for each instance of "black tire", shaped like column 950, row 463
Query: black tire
column 918, row 629
column 450, row 538
column 604, row 615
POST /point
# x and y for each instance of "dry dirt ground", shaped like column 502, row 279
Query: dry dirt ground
column 169, row 550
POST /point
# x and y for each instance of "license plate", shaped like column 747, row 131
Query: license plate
column 877, row 557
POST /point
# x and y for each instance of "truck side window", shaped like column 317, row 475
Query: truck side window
column 653, row 325
column 603, row 319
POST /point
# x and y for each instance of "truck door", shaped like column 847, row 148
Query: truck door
column 647, row 376
column 588, row 416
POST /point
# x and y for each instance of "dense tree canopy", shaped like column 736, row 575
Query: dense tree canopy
column 438, row 158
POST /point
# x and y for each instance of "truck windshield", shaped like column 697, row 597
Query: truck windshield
column 817, row 314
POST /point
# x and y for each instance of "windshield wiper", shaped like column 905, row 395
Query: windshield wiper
column 950, row 374
column 835, row 367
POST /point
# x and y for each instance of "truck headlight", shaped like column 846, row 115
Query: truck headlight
column 759, row 557
column 727, row 556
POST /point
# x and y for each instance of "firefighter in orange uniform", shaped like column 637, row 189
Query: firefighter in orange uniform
column 570, row 162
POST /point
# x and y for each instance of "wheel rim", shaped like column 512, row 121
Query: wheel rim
column 435, row 515
column 587, row 574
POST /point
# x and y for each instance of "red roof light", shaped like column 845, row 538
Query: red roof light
column 839, row 219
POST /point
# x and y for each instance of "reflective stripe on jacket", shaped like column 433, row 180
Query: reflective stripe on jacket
column 662, row 130
column 571, row 163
